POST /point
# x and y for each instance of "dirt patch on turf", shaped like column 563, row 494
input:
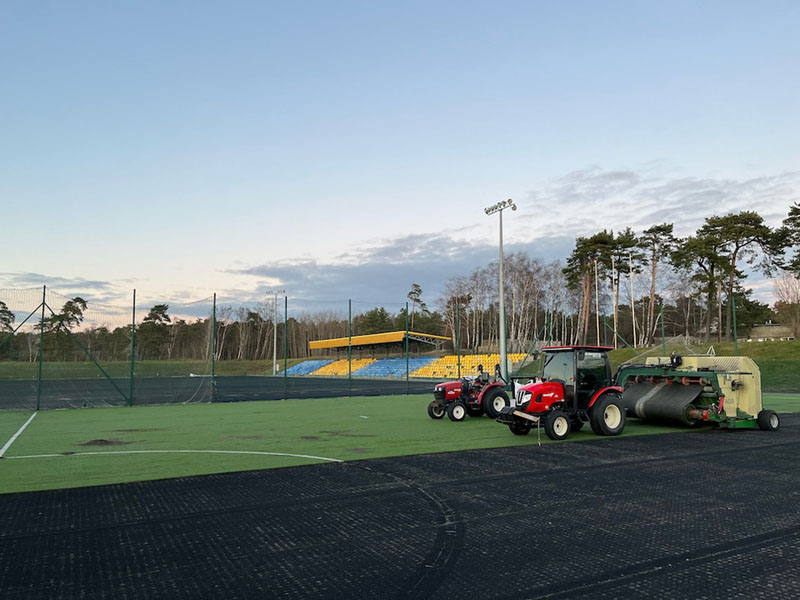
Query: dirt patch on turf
column 243, row 437
column 104, row 443
column 348, row 434
column 359, row 450
column 309, row 437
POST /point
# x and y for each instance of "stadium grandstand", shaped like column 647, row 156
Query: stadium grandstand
column 429, row 367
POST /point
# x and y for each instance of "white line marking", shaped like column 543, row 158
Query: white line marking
column 178, row 452
column 16, row 435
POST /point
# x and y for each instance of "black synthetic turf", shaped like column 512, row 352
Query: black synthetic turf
column 713, row 514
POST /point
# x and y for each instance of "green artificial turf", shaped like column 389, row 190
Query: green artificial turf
column 781, row 403
column 339, row 428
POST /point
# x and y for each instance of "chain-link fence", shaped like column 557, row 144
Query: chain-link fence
column 67, row 352
column 58, row 351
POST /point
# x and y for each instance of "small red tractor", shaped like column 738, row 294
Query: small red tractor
column 471, row 395
column 573, row 386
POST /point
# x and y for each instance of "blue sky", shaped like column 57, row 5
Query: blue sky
column 344, row 149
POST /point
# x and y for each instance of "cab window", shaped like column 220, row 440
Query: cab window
column 559, row 365
column 591, row 370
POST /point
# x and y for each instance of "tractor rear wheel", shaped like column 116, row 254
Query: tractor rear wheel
column 520, row 427
column 556, row 425
column 607, row 417
column 494, row 401
column 457, row 411
column 768, row 420
column 435, row 410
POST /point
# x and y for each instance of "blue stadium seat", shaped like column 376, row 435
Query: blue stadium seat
column 393, row 367
column 307, row 366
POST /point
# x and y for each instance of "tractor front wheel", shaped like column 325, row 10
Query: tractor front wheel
column 768, row 420
column 494, row 401
column 457, row 411
column 556, row 425
column 519, row 427
column 607, row 417
column 435, row 410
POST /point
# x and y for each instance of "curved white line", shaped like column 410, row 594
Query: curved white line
column 178, row 452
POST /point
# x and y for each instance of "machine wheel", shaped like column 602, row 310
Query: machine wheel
column 435, row 410
column 457, row 411
column 607, row 417
column 556, row 425
column 494, row 401
column 474, row 411
column 520, row 427
column 768, row 420
column 575, row 425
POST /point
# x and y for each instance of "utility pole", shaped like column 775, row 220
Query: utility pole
column 633, row 298
column 275, row 330
column 499, row 208
column 614, row 294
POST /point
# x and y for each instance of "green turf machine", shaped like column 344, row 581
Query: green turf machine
column 688, row 390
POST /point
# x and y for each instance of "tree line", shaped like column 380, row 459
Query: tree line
column 611, row 282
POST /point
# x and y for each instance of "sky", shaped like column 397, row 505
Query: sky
column 347, row 149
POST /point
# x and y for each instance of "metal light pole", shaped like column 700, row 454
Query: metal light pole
column 275, row 332
column 499, row 208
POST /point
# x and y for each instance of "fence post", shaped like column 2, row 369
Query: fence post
column 547, row 328
column 458, row 337
column 41, row 348
column 133, row 346
column 213, row 346
column 285, row 346
column 735, row 332
column 407, row 363
column 350, row 347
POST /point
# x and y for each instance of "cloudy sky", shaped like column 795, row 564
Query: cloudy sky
column 347, row 149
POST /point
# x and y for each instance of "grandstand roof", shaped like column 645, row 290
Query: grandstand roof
column 376, row 338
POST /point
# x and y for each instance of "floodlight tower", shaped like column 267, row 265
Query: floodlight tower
column 499, row 208
column 275, row 331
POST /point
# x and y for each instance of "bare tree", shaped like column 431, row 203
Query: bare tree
column 787, row 302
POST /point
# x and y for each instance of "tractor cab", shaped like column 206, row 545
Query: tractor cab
column 581, row 371
column 574, row 386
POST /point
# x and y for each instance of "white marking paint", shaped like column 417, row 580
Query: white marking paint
column 16, row 435
column 178, row 452
column 363, row 417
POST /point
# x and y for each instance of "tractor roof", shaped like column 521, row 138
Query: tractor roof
column 568, row 348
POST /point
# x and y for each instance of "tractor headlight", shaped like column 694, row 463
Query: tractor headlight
column 523, row 396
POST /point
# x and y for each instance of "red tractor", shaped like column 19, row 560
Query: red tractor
column 573, row 386
column 472, row 395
